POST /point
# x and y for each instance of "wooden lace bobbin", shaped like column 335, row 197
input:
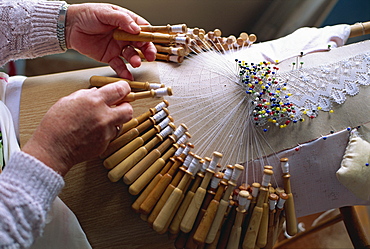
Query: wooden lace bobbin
column 160, row 92
column 218, row 217
column 134, row 173
column 180, row 51
column 169, row 189
column 279, row 217
column 227, row 225
column 215, row 190
column 174, row 228
column 270, row 236
column 168, row 29
column 250, row 238
column 138, row 120
column 242, row 39
column 161, row 182
column 291, row 219
column 170, row 57
column 119, row 142
column 193, row 209
column 123, row 167
column 129, row 146
column 230, row 41
column 255, row 190
column 99, row 81
column 117, row 149
column 235, row 235
column 143, row 180
column 149, row 189
column 176, row 197
column 150, row 37
column 229, row 182
column 263, row 230
column 359, row 29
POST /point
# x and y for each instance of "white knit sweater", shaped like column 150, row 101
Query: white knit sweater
column 27, row 189
column 27, row 186
column 28, row 29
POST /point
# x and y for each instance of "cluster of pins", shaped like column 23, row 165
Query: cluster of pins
column 175, row 42
column 268, row 94
column 139, row 90
column 195, row 200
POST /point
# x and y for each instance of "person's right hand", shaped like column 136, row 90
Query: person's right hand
column 80, row 126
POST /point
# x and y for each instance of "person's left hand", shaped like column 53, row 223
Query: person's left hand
column 89, row 30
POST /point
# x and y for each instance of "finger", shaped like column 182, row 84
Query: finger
column 148, row 49
column 122, row 113
column 113, row 93
column 123, row 18
column 119, row 66
column 132, row 56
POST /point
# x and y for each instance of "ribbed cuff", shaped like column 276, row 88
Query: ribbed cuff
column 44, row 31
column 41, row 182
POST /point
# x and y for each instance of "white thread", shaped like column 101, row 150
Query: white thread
column 166, row 131
column 177, row 28
column 160, row 106
column 159, row 116
column 154, row 85
column 164, row 123
column 228, row 173
column 179, row 151
column 161, row 92
column 285, row 167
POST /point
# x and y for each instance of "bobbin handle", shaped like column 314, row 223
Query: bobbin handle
column 175, row 224
column 192, row 211
column 291, row 219
column 141, row 166
column 359, row 29
column 236, row 232
column 113, row 160
column 250, row 238
column 262, row 233
column 221, row 210
column 206, row 222
column 118, row 172
column 156, row 193
column 166, row 212
column 139, row 184
column 99, row 81
column 145, row 194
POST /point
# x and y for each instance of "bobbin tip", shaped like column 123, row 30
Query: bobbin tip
column 217, row 154
column 284, row 159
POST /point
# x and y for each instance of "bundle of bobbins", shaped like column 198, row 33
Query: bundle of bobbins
column 198, row 202
column 175, row 42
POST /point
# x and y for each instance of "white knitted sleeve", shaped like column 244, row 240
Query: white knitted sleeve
column 27, row 189
column 28, row 29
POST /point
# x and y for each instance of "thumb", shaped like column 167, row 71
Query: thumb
column 114, row 92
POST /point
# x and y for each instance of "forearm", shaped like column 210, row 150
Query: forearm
column 27, row 189
column 28, row 29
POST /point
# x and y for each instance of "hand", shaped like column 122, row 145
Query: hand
column 80, row 126
column 89, row 30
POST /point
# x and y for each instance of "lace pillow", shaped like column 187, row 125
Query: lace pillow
column 354, row 172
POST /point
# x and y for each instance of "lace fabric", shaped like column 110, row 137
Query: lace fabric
column 318, row 88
